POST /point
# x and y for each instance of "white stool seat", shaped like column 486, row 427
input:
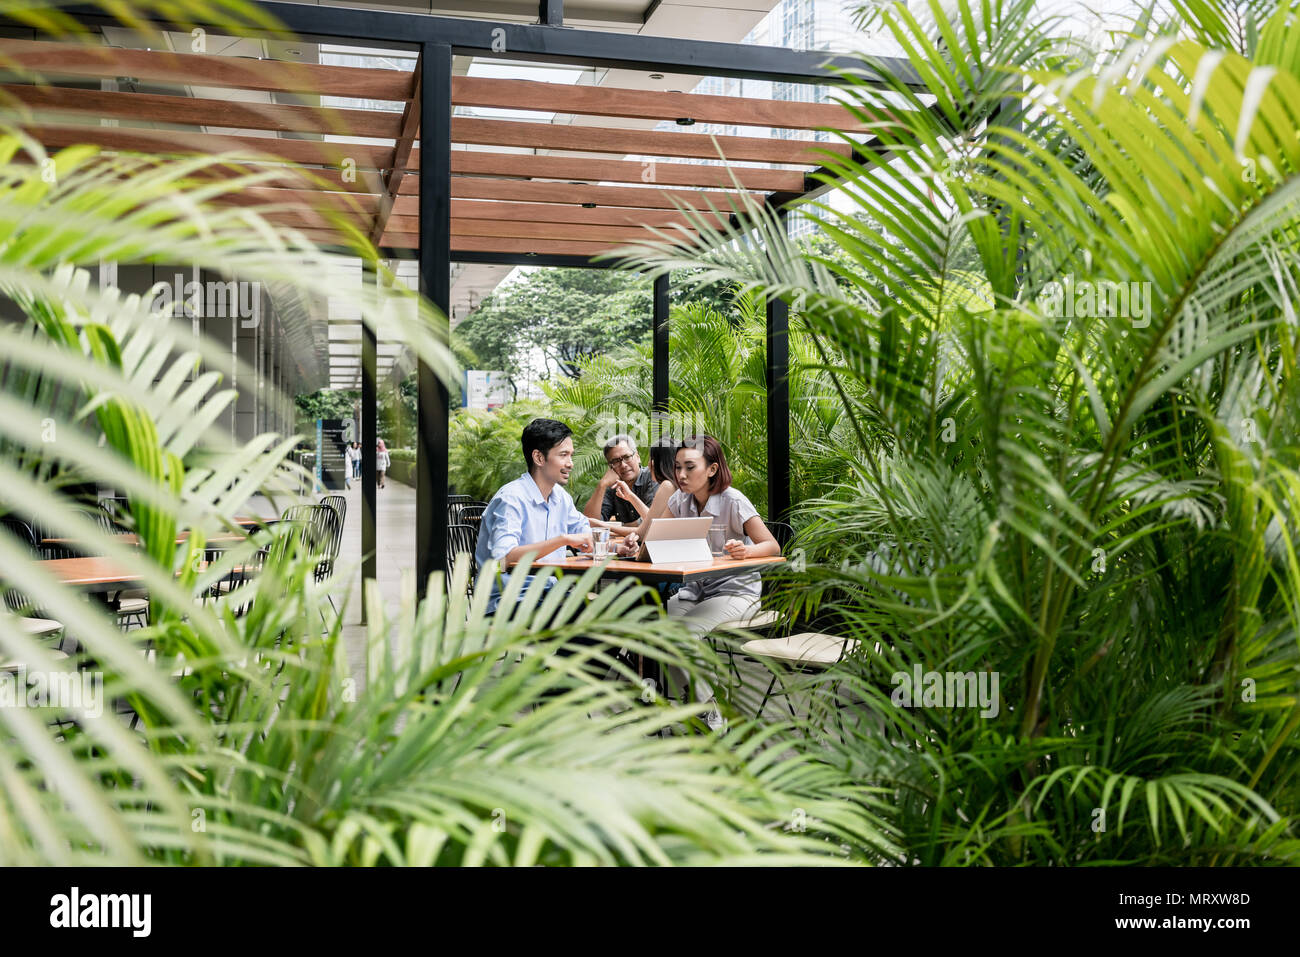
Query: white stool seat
column 808, row 648
column 132, row 606
column 760, row 619
column 40, row 627
column 13, row 664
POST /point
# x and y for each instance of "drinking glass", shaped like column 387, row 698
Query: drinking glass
column 599, row 543
column 717, row 539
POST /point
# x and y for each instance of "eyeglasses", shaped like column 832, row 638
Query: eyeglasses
column 622, row 459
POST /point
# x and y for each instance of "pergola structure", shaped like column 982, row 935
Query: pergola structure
column 420, row 180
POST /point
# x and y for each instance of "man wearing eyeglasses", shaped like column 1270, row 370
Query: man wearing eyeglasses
column 623, row 482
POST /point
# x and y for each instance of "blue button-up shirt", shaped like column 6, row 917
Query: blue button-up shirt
column 518, row 515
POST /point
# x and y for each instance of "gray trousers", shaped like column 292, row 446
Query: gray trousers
column 701, row 617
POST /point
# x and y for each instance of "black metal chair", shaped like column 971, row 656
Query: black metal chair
column 340, row 506
column 119, row 510
column 461, row 541
column 323, row 538
column 472, row 515
column 326, row 568
column 455, row 504
column 289, row 539
column 33, row 622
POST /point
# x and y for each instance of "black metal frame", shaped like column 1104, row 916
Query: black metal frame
column 438, row 39
column 660, row 386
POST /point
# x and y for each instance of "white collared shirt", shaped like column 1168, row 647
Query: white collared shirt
column 731, row 508
column 518, row 515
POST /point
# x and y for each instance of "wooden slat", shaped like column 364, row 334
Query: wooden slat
column 156, row 108
column 189, row 69
column 354, row 203
column 315, row 219
column 172, row 142
column 472, row 187
column 565, row 213
column 649, row 104
column 543, row 247
column 620, row 171
column 483, row 244
column 367, row 182
column 562, row 231
column 594, row 139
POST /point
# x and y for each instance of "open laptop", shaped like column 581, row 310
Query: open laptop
column 675, row 540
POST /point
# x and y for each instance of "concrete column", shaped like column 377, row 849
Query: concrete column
column 221, row 327
column 246, row 348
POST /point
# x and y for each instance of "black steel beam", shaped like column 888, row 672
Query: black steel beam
column 369, row 439
column 550, row 12
column 660, row 353
column 778, row 409
column 535, row 42
column 432, row 448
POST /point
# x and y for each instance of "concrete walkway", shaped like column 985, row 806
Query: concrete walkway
column 395, row 541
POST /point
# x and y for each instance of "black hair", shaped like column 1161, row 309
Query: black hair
column 543, row 435
column 663, row 458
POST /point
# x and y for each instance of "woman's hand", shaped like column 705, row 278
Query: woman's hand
column 736, row 549
column 629, row 546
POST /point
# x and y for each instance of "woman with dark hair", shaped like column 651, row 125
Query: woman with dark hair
column 663, row 454
column 704, row 488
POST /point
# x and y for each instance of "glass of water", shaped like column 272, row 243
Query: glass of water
column 599, row 543
column 717, row 539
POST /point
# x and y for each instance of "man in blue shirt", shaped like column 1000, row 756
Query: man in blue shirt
column 534, row 513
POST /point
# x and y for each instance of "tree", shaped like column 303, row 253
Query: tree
column 566, row 314
column 325, row 404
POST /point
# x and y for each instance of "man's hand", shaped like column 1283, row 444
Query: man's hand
column 581, row 541
column 609, row 478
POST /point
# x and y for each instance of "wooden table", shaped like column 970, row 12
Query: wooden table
column 131, row 538
column 100, row 574
column 90, row 574
column 667, row 572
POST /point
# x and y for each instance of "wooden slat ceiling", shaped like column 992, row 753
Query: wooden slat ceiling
column 585, row 197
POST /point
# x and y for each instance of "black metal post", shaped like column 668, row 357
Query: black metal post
column 435, row 283
column 778, row 409
column 550, row 13
column 369, row 439
column 660, row 355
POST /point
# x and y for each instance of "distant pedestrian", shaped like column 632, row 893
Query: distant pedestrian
column 356, row 460
column 381, row 461
column 350, row 461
